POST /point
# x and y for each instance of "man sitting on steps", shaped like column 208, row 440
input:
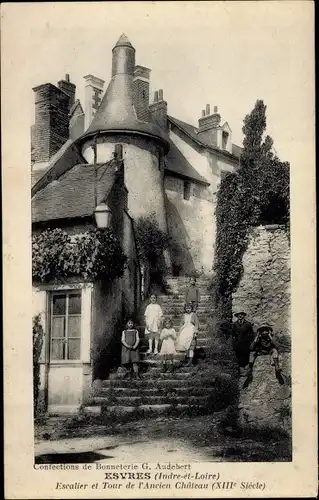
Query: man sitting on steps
column 264, row 344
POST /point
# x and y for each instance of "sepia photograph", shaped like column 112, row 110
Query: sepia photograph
column 161, row 163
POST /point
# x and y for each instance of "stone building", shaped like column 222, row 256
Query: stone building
column 151, row 163
column 178, row 165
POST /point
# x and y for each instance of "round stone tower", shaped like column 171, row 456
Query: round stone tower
column 144, row 143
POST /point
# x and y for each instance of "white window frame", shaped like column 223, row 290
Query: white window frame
column 86, row 290
column 66, row 338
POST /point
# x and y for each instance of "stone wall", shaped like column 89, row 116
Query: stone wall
column 264, row 293
column 191, row 224
column 264, row 290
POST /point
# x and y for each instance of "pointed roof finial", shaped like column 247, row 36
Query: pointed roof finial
column 123, row 41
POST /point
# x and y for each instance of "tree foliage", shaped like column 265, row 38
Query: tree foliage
column 38, row 337
column 258, row 193
column 95, row 254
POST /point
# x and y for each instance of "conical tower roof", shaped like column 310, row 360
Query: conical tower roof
column 116, row 113
column 123, row 41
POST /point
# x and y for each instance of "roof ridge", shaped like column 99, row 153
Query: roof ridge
column 180, row 123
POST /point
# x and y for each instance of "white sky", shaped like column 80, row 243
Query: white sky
column 223, row 53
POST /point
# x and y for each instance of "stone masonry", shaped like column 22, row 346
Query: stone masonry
column 264, row 293
column 159, row 391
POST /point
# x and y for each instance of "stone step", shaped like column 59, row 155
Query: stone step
column 179, row 298
column 139, row 384
column 177, row 312
column 179, row 288
column 159, row 390
column 157, row 358
column 203, row 330
column 181, row 282
column 202, row 344
column 154, row 409
column 150, row 400
column 156, row 372
column 202, row 334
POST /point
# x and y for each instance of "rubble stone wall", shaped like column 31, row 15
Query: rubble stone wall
column 264, row 293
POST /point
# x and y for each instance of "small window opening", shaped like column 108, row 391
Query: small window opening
column 225, row 139
column 187, row 190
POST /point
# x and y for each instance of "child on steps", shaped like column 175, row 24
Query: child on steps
column 130, row 353
column 186, row 340
column 192, row 295
column 168, row 337
column 153, row 320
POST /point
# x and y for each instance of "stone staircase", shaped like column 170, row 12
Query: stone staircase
column 158, row 389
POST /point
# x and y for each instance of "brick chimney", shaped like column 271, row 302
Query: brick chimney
column 141, row 91
column 69, row 88
column 51, row 128
column 158, row 109
column 209, row 125
column 93, row 96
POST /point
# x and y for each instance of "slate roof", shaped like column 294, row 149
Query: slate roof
column 67, row 157
column 192, row 132
column 72, row 195
column 177, row 163
column 37, row 174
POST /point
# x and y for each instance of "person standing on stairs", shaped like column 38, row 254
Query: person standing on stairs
column 243, row 335
column 186, row 340
column 153, row 320
column 168, row 338
column 192, row 295
column 130, row 353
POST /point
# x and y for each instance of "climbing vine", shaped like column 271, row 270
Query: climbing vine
column 38, row 337
column 95, row 254
column 151, row 244
column 258, row 193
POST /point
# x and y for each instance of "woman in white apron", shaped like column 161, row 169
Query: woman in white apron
column 188, row 331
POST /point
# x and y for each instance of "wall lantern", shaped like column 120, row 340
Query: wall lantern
column 102, row 215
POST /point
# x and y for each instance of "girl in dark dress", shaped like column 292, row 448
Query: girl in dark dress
column 130, row 355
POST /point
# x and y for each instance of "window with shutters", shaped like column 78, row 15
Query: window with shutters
column 65, row 312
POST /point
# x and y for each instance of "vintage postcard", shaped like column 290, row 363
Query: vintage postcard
column 159, row 249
